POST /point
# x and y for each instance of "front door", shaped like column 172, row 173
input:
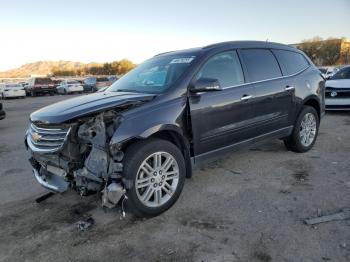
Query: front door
column 222, row 118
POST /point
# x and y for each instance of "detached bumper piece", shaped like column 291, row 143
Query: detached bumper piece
column 52, row 182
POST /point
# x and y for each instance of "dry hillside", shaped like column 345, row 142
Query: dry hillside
column 44, row 67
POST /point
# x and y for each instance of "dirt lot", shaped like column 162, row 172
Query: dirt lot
column 248, row 206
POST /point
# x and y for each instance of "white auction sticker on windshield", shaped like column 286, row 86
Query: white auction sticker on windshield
column 183, row 60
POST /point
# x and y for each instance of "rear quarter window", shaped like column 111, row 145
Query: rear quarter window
column 291, row 62
column 261, row 64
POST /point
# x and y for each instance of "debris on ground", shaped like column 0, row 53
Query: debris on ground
column 84, row 225
column 342, row 215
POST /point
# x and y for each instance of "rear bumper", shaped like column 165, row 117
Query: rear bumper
column 21, row 93
column 75, row 89
column 44, row 90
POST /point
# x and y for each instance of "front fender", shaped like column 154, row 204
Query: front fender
column 144, row 123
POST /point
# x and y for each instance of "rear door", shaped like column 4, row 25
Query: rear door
column 222, row 118
column 273, row 94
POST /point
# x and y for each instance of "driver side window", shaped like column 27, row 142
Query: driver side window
column 225, row 67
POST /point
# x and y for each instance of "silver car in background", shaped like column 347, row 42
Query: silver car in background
column 338, row 90
column 69, row 87
column 12, row 91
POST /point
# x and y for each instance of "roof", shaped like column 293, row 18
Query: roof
column 232, row 44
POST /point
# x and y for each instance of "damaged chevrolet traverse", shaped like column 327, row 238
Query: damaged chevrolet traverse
column 138, row 141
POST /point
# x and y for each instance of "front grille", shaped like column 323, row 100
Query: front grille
column 337, row 92
column 47, row 139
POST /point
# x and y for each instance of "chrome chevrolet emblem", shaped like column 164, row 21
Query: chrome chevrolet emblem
column 333, row 94
column 36, row 137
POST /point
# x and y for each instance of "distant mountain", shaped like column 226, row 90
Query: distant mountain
column 44, row 68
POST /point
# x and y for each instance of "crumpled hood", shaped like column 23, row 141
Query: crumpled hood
column 83, row 105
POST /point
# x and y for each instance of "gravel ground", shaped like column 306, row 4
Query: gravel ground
column 247, row 206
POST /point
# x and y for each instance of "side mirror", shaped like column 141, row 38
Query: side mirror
column 205, row 85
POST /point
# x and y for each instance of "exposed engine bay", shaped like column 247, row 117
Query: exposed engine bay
column 86, row 162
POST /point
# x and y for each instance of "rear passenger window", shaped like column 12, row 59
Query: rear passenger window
column 291, row 62
column 261, row 64
column 224, row 67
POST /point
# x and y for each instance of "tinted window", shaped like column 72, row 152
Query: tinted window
column 342, row 74
column 43, row 81
column 224, row 67
column 90, row 80
column 291, row 62
column 261, row 64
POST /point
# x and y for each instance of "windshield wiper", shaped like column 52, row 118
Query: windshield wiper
column 126, row 90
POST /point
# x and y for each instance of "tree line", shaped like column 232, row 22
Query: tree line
column 327, row 52
column 114, row 68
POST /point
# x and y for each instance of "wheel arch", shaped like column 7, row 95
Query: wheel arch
column 314, row 102
column 169, row 133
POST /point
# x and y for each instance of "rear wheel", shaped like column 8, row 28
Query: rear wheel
column 156, row 170
column 305, row 131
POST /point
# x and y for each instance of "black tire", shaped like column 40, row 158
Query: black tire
column 293, row 143
column 64, row 91
column 134, row 156
column 33, row 93
column 52, row 93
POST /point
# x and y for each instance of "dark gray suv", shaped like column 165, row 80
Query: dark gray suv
column 138, row 141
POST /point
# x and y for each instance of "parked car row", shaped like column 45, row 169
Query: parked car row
column 45, row 85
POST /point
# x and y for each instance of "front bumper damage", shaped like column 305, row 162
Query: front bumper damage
column 85, row 161
column 51, row 182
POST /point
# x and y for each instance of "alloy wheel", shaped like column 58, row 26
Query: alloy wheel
column 308, row 128
column 157, row 179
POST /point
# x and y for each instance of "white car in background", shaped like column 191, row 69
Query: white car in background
column 12, row 90
column 338, row 90
column 69, row 87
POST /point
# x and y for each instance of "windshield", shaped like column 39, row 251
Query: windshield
column 102, row 79
column 43, row 81
column 342, row 74
column 153, row 76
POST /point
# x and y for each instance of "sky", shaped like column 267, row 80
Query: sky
column 108, row 30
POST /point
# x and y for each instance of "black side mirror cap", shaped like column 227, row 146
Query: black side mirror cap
column 205, row 85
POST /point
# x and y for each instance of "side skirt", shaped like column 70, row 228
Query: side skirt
column 217, row 153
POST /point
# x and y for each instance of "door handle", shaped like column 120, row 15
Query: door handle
column 288, row 88
column 246, row 97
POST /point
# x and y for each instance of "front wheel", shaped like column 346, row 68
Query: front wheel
column 156, row 171
column 305, row 131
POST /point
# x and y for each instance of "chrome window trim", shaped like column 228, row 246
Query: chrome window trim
column 270, row 79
